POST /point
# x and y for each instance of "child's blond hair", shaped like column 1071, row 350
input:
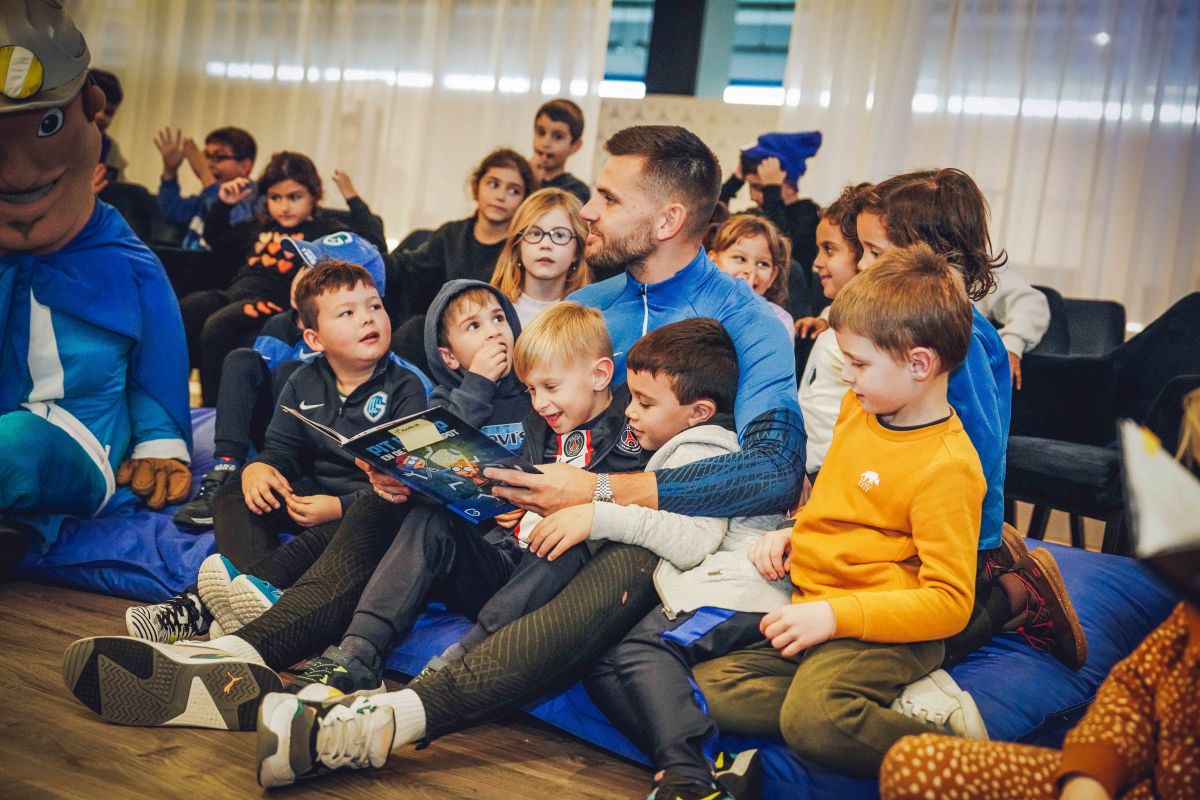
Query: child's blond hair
column 911, row 297
column 742, row 226
column 509, row 275
column 565, row 333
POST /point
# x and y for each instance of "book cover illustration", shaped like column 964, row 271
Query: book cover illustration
column 437, row 454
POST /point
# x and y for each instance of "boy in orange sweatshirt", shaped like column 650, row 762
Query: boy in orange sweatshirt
column 882, row 558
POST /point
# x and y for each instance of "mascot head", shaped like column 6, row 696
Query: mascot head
column 49, row 143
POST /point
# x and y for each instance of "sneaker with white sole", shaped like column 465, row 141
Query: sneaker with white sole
column 939, row 702
column 300, row 739
column 197, row 514
column 182, row 617
column 135, row 682
column 251, row 597
column 213, row 581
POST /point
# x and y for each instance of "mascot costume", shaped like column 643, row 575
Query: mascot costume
column 93, row 365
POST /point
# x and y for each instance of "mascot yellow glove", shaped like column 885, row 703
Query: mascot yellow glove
column 158, row 481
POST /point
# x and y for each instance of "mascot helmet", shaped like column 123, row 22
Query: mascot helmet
column 43, row 56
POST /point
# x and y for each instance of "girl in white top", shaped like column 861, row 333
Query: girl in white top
column 821, row 384
column 750, row 247
column 543, row 261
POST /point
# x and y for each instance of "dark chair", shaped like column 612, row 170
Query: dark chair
column 135, row 204
column 414, row 240
column 1095, row 327
column 1057, row 339
column 193, row 270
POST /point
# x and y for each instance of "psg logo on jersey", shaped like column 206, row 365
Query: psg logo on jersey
column 574, row 444
column 628, row 442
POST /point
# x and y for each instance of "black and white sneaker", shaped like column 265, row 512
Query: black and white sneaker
column 335, row 673
column 197, row 515
column 135, row 682
column 181, row 617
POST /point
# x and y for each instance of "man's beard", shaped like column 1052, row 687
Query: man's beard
column 615, row 255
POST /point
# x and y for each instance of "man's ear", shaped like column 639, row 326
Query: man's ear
column 93, row 100
column 923, row 363
column 313, row 340
column 671, row 221
column 702, row 411
column 602, row 373
column 448, row 359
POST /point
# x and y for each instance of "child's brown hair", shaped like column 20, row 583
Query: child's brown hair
column 911, row 297
column 565, row 332
column 742, row 226
column 945, row 209
column 327, row 276
column 843, row 213
column 468, row 298
column 696, row 355
column 297, row 167
column 566, row 112
column 504, row 158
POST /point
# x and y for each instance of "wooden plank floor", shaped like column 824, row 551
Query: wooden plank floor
column 52, row 746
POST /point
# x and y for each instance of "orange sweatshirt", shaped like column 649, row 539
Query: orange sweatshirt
column 1141, row 736
column 889, row 536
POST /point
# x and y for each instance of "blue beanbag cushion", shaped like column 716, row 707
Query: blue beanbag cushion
column 1023, row 695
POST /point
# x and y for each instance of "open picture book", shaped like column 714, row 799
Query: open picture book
column 436, row 454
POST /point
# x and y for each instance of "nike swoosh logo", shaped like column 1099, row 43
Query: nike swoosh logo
column 308, row 356
column 305, row 407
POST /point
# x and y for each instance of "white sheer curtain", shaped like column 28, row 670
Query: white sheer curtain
column 405, row 95
column 1078, row 118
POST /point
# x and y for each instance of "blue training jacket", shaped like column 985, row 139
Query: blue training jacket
column 768, row 474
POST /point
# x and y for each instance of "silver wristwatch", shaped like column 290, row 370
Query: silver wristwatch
column 603, row 493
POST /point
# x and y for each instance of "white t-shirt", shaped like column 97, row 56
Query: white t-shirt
column 821, row 393
column 529, row 307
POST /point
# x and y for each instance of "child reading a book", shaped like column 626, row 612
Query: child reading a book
column 300, row 479
column 565, row 359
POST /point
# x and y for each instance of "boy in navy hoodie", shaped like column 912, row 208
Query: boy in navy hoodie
column 566, row 359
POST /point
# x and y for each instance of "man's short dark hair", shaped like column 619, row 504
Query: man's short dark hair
column 696, row 355
column 110, row 84
column 678, row 167
column 566, row 112
column 239, row 141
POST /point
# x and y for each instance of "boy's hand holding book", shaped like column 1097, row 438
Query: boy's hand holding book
column 260, row 483
column 798, row 626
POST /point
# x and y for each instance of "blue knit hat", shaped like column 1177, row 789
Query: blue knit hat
column 341, row 246
column 792, row 150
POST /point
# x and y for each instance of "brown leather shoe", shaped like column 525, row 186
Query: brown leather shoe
column 1049, row 623
column 1005, row 557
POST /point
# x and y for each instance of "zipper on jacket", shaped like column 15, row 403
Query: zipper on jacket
column 643, row 290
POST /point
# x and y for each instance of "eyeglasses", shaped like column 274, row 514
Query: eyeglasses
column 534, row 234
column 218, row 157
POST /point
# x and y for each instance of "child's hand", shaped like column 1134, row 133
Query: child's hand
column 769, row 554
column 99, row 178
column 771, row 173
column 170, row 146
column 342, row 181
column 509, row 520
column 314, row 509
column 260, row 482
column 1083, row 787
column 810, row 327
column 798, row 626
column 491, row 361
column 197, row 161
column 235, row 191
column 1014, row 364
column 561, row 531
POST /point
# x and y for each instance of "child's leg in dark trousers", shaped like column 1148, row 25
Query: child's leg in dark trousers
column 644, row 685
column 315, row 611
column 435, row 552
column 548, row 647
column 224, row 331
column 534, row 583
column 285, row 565
column 245, row 403
column 196, row 308
column 831, row 705
column 988, row 617
column 245, row 538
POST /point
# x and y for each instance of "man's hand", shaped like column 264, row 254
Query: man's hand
column 1014, row 364
column 559, row 486
column 771, row 173
column 1083, row 787
column 798, row 626
column 810, row 327
column 314, row 509
column 384, row 485
column 260, row 483
column 509, row 521
column 158, row 481
column 769, row 554
column 562, row 530
column 490, row 361
column 99, row 178
column 170, row 146
column 342, row 181
column 235, row 191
